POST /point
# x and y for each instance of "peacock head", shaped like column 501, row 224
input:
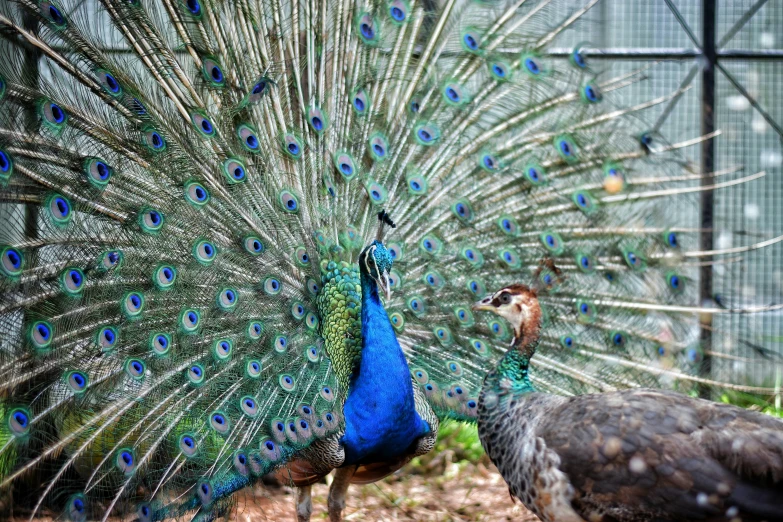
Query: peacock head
column 376, row 262
column 517, row 304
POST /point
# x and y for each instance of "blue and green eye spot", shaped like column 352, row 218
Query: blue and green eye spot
column 464, row 316
column 205, row 252
column 443, row 335
column 397, row 321
column 584, row 263
column 59, row 209
column 72, row 281
column 433, row 280
column 153, row 140
column 500, row 70
column 227, row 299
column 566, row 148
column 40, row 334
column 164, row 277
column 272, row 286
column 292, row 146
column 151, row 220
column 360, row 101
column 11, row 262
column 416, row 305
column 399, row 10
column 568, row 341
column 618, row 339
column 376, row 192
column 378, row 146
column 318, row 119
column 203, row 124
column 234, row 171
column 160, row 343
column 6, row 161
column 532, row 65
column 552, row 242
column 426, row 134
column 254, row 330
column 417, row 184
column 430, row 244
column 213, row 72
column 585, row 202
column 470, row 40
column 535, row 174
column 132, row 304
column 585, row 312
column 97, row 172
column 454, row 94
column 508, row 225
column 473, row 256
column 671, row 239
column 52, row 115
column 463, row 210
column 510, row 258
column 499, row 329
column 368, row 29
column 476, row 287
column 634, row 259
column 248, row 137
column 590, row 93
column 479, row 345
column 253, row 245
column 675, row 282
column 196, row 194
column 189, row 320
column 222, row 349
column 288, row 201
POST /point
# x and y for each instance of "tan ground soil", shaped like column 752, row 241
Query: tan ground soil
column 463, row 493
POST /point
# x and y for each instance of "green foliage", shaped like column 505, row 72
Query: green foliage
column 458, row 443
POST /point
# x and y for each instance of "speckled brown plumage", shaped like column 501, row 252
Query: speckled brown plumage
column 626, row 456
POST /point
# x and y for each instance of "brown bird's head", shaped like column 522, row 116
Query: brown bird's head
column 517, row 304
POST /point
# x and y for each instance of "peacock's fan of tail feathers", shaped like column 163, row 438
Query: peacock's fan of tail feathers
column 186, row 186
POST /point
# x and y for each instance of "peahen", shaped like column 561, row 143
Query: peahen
column 189, row 196
column 622, row 456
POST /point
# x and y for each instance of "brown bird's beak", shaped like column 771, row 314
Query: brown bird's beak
column 484, row 304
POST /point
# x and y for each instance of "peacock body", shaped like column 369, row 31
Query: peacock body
column 187, row 190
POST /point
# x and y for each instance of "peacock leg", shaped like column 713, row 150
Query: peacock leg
column 336, row 501
column 304, row 504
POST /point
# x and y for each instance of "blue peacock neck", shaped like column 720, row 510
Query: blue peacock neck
column 381, row 422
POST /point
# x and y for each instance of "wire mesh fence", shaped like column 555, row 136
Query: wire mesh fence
column 748, row 35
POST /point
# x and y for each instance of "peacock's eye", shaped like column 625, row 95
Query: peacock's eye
column 505, row 298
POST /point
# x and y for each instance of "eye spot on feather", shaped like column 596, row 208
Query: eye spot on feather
column 76, row 508
column 135, row 368
column 19, row 422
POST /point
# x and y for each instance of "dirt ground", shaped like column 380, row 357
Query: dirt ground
column 468, row 492
column 462, row 492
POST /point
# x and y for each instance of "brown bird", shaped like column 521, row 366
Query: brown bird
column 625, row 456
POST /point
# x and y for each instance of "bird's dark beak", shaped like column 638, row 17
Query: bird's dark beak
column 385, row 285
column 484, row 304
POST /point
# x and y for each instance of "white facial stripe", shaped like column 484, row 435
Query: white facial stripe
column 369, row 258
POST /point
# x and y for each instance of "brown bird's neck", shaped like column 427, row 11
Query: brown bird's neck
column 528, row 332
column 512, row 370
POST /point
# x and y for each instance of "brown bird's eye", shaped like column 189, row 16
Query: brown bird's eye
column 505, row 298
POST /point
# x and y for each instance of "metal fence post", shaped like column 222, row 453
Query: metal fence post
column 706, row 239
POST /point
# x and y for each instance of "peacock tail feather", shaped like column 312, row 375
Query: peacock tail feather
column 186, row 186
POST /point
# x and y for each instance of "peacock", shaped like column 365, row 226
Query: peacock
column 621, row 456
column 200, row 283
